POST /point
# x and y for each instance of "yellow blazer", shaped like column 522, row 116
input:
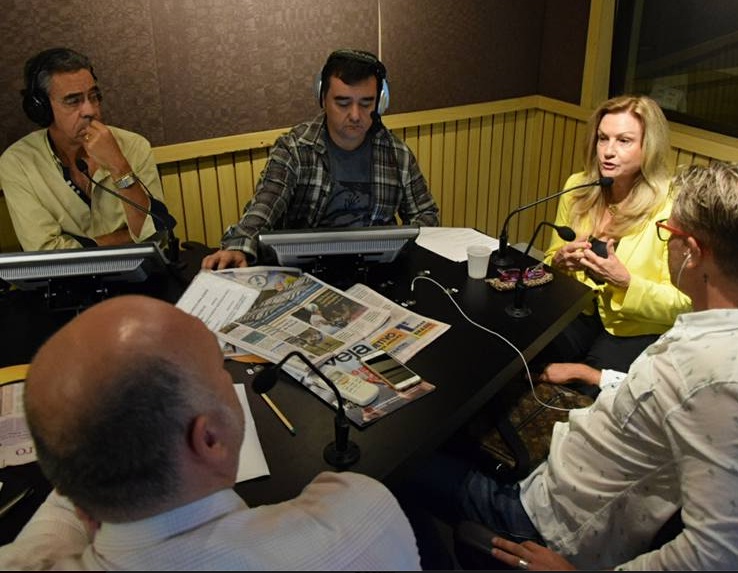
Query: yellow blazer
column 651, row 303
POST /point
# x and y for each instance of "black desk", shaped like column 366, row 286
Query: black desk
column 467, row 365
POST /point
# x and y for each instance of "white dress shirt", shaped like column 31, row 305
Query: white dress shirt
column 341, row 521
column 666, row 438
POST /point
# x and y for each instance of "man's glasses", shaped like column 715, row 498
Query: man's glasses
column 73, row 101
column 665, row 232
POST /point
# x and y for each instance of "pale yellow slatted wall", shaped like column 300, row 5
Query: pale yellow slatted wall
column 474, row 194
column 436, row 173
column 532, row 166
column 226, row 204
column 171, row 185
column 460, row 158
column 521, row 194
column 425, row 153
column 503, row 152
column 481, row 161
column 497, row 206
column 448, row 152
column 487, row 193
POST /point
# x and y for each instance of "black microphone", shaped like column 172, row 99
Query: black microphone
column 376, row 123
column 518, row 308
column 500, row 256
column 172, row 240
column 340, row 453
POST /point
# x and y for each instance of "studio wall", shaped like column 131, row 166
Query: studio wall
column 186, row 70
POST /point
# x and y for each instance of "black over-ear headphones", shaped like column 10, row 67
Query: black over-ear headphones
column 383, row 96
column 36, row 102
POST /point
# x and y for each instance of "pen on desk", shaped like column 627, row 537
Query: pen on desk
column 279, row 414
column 15, row 500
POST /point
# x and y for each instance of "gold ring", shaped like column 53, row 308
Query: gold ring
column 87, row 137
column 523, row 564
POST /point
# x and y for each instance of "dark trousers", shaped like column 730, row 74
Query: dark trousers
column 586, row 340
column 451, row 489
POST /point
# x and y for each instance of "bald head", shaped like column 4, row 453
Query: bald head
column 92, row 348
column 110, row 399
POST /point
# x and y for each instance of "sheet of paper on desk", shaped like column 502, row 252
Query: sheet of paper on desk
column 451, row 242
column 251, row 463
column 216, row 300
column 16, row 444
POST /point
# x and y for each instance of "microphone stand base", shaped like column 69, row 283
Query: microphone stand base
column 342, row 459
column 517, row 312
column 501, row 260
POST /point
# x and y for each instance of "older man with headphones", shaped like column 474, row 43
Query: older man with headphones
column 61, row 181
column 342, row 169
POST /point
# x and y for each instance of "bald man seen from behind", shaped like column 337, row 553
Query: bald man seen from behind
column 141, row 439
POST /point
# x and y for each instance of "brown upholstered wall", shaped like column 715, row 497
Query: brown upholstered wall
column 184, row 70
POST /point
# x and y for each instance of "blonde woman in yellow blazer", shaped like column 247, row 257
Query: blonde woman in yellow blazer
column 617, row 250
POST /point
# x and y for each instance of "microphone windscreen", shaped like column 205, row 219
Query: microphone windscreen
column 264, row 380
column 81, row 164
column 567, row 233
column 606, row 181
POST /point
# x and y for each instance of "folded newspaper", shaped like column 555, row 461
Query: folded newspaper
column 281, row 309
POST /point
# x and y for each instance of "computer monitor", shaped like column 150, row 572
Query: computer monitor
column 379, row 244
column 69, row 276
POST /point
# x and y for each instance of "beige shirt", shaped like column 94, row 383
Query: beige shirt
column 46, row 211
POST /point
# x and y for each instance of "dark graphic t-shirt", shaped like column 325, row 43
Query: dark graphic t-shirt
column 350, row 202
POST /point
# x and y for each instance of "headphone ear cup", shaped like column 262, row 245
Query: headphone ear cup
column 384, row 97
column 38, row 108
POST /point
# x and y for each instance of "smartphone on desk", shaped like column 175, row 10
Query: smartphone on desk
column 391, row 370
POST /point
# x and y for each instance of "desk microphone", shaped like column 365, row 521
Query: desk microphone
column 500, row 256
column 340, row 453
column 518, row 309
column 172, row 240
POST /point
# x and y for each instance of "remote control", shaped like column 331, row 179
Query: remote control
column 350, row 387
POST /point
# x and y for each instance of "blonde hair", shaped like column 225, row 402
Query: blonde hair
column 706, row 206
column 652, row 186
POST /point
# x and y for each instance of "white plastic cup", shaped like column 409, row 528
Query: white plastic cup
column 477, row 257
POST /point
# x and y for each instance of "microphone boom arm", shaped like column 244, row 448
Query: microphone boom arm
column 499, row 257
column 340, row 453
column 172, row 241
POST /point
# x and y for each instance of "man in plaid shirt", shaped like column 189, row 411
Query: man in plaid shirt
column 342, row 169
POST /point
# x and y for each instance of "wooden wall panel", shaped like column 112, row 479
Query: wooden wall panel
column 481, row 161
column 475, row 195
column 434, row 172
column 225, row 171
column 485, row 179
column 460, row 159
column 172, row 187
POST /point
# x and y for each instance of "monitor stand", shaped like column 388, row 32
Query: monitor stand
column 74, row 293
column 340, row 271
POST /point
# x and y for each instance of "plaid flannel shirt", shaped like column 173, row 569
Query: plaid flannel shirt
column 296, row 184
